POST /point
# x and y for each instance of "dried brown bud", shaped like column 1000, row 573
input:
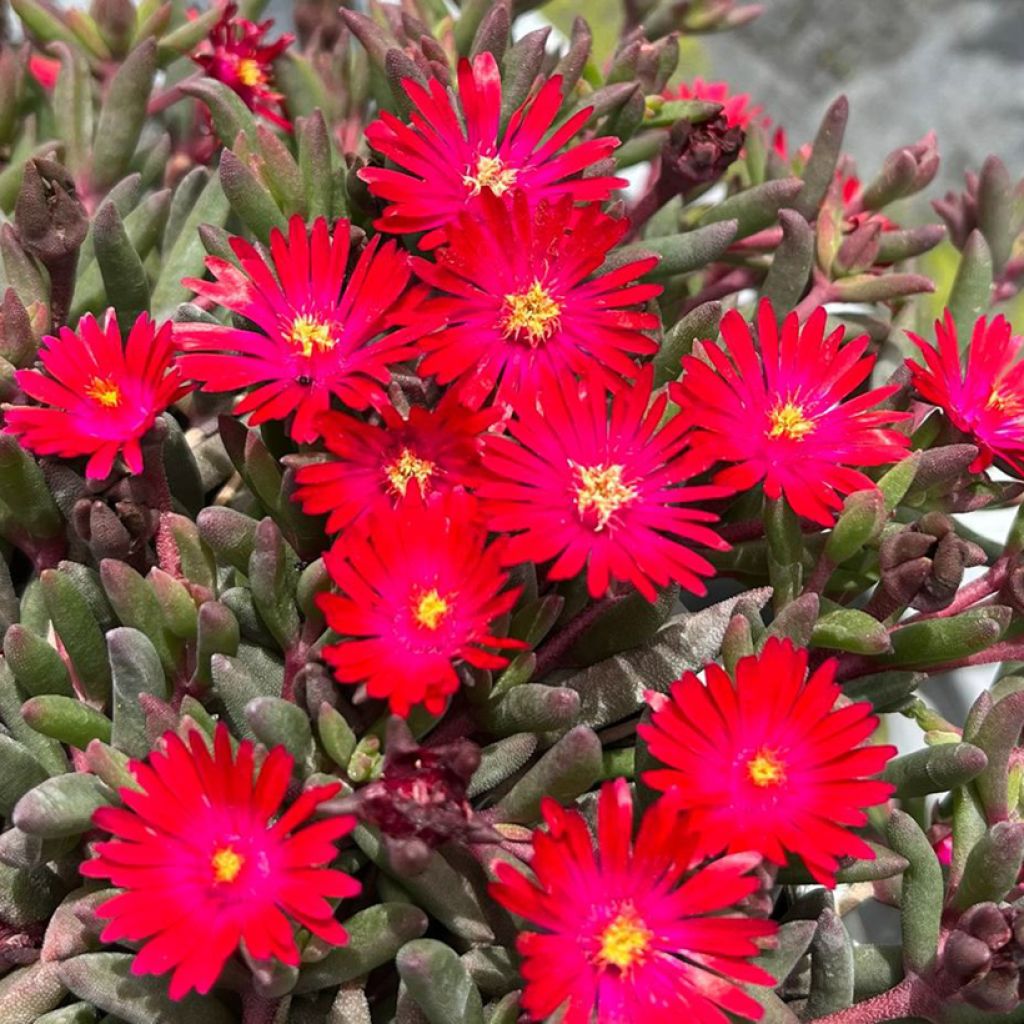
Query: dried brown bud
column 924, row 565
column 52, row 224
column 700, row 154
column 419, row 802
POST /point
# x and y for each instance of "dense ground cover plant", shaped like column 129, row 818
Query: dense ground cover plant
column 445, row 583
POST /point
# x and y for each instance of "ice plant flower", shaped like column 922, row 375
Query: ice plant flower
column 778, row 411
column 419, row 588
column 446, row 157
column 605, row 491
column 236, row 54
column 98, row 395
column 984, row 398
column 374, row 467
column 204, row 865
column 627, row 931
column 519, row 304
column 736, row 107
column 766, row 762
column 321, row 333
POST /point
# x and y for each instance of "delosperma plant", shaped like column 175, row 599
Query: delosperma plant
column 474, row 508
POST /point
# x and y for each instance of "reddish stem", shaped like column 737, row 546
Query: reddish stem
column 552, row 652
column 735, row 281
column 170, row 96
column 820, row 293
column 910, row 998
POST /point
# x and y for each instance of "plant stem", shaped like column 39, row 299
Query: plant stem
column 910, row 998
column 552, row 652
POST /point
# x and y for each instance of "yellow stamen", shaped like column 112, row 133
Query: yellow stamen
column 788, row 421
column 601, row 488
column 226, row 864
column 533, row 313
column 430, row 608
column 309, row 333
column 104, row 391
column 249, row 72
column 408, row 467
column 766, row 769
column 625, row 942
column 1000, row 401
column 490, row 173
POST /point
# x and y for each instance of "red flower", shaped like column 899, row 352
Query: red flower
column 984, row 399
column 237, row 55
column 626, row 934
column 203, row 867
column 776, row 413
column 99, row 395
column 519, row 303
column 736, row 107
column 320, row 330
column 448, row 155
column 600, row 490
column 766, row 763
column 374, row 467
column 419, row 589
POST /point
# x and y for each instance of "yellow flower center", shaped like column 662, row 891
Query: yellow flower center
column 533, row 313
column 1000, row 401
column 765, row 768
column 226, row 864
column 249, row 72
column 408, row 467
column 429, row 609
column 490, row 173
column 104, row 391
column 600, row 488
column 788, row 420
column 309, row 333
column 625, row 942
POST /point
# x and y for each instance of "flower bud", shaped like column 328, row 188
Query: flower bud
column 116, row 21
column 965, row 957
column 859, row 249
column 52, row 224
column 696, row 155
column 17, row 339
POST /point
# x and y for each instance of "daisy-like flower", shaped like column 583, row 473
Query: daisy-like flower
column 321, row 332
column 601, row 490
column 99, row 395
column 418, row 590
column 984, row 398
column 204, row 866
column 628, row 932
column 766, row 762
column 448, row 156
column 519, row 304
column 775, row 411
column 372, row 468
column 236, row 54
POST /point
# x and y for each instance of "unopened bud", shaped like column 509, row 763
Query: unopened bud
column 52, row 224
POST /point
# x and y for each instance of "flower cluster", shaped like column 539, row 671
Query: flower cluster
column 458, row 549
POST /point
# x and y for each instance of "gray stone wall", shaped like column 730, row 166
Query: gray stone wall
column 955, row 66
